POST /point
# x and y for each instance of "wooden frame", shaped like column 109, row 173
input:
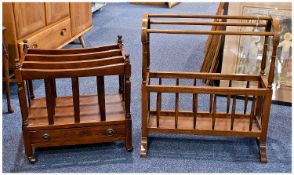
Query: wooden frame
column 57, row 120
column 228, row 123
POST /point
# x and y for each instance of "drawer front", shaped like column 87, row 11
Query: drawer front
column 73, row 136
column 53, row 37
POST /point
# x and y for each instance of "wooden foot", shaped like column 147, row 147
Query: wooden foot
column 128, row 140
column 10, row 110
column 32, row 159
column 82, row 41
column 130, row 149
column 262, row 151
column 143, row 150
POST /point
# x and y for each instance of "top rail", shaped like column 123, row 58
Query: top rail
column 72, row 51
column 208, row 16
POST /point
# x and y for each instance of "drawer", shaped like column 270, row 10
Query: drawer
column 72, row 136
column 53, row 37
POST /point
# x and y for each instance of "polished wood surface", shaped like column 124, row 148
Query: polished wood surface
column 44, row 25
column 80, row 22
column 251, row 121
column 56, row 11
column 77, row 119
column 6, row 75
column 29, row 17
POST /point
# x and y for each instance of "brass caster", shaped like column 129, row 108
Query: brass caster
column 32, row 159
column 130, row 149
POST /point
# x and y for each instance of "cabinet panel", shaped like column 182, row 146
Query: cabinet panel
column 29, row 17
column 56, row 11
column 81, row 17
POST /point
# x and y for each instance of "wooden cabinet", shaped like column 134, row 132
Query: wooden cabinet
column 56, row 11
column 45, row 25
column 81, row 16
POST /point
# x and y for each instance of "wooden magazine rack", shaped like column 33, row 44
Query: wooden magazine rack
column 58, row 120
column 212, row 122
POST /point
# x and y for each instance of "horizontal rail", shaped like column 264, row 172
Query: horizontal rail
column 209, row 32
column 208, row 90
column 73, row 57
column 72, row 64
column 167, row 113
column 72, row 51
column 115, row 69
column 205, row 132
column 208, row 16
column 203, row 75
column 209, row 23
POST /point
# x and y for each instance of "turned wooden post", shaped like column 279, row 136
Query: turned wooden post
column 120, row 77
column 24, row 113
column 30, row 82
column 276, row 40
column 127, row 98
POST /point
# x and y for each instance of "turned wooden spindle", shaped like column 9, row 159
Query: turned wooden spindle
column 158, row 104
column 195, row 106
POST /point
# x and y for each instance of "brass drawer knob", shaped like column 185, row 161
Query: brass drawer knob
column 110, row 132
column 46, row 137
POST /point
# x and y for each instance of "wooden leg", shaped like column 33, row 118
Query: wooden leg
column 262, row 150
column 82, row 41
column 31, row 89
column 7, row 83
column 28, row 148
column 143, row 149
column 128, row 141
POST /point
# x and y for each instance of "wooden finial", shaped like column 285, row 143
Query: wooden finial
column 25, row 45
column 119, row 39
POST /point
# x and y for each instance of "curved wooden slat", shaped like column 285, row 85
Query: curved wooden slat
column 73, row 57
column 72, row 64
column 29, row 74
column 72, row 51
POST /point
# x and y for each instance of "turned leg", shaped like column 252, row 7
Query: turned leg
column 262, row 150
column 128, row 141
column 7, row 83
column 28, row 148
column 82, row 41
column 143, row 149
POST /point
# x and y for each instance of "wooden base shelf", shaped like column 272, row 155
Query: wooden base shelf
column 204, row 122
column 64, row 110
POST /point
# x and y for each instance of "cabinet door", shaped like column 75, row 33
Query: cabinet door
column 29, row 17
column 56, row 11
column 81, row 17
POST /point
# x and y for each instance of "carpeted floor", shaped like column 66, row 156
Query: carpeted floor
column 167, row 153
